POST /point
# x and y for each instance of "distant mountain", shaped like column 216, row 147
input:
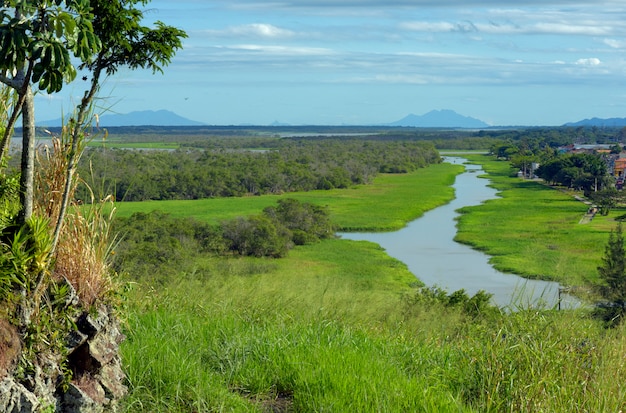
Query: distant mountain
column 138, row 118
column 609, row 123
column 277, row 123
column 440, row 119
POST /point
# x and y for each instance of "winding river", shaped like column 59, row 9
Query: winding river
column 426, row 245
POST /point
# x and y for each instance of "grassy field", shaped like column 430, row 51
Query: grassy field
column 533, row 229
column 387, row 204
column 331, row 328
column 339, row 326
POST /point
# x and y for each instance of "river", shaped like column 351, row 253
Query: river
column 426, row 245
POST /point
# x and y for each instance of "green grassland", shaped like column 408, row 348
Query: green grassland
column 339, row 326
column 533, row 229
column 332, row 328
column 387, row 204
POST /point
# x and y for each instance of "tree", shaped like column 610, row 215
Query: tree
column 612, row 274
column 41, row 289
column 523, row 163
column 606, row 199
column 308, row 222
column 125, row 42
column 36, row 42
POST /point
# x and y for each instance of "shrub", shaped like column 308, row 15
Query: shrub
column 307, row 222
column 257, row 236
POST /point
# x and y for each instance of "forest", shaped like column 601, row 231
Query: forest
column 289, row 165
column 233, row 161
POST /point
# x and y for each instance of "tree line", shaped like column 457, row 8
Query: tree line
column 291, row 165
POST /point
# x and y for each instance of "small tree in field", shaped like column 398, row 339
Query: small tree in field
column 612, row 274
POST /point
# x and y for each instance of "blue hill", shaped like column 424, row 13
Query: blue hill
column 610, row 122
column 440, row 119
column 138, row 118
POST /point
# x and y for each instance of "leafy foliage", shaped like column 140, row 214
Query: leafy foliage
column 257, row 236
column 607, row 199
column 585, row 171
column 158, row 243
column 612, row 274
column 307, row 222
column 478, row 305
column 284, row 165
column 41, row 35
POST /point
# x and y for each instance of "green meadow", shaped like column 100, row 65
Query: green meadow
column 387, row 204
column 533, row 229
column 339, row 326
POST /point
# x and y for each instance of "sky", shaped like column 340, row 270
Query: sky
column 365, row 62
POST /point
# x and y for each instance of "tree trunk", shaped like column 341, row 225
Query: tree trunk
column 28, row 157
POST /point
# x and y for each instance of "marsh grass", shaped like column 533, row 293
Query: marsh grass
column 330, row 328
column 387, row 204
column 533, row 229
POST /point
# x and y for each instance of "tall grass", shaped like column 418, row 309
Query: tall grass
column 331, row 327
column 212, row 341
column 82, row 253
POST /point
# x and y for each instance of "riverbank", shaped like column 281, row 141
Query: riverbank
column 533, row 230
column 427, row 246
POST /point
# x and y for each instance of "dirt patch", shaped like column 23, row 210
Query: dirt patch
column 10, row 347
column 282, row 403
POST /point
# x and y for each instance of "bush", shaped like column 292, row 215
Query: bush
column 308, row 223
column 257, row 236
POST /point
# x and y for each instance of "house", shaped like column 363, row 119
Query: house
column 619, row 166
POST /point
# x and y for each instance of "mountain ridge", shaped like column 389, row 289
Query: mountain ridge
column 136, row 118
column 606, row 122
column 444, row 118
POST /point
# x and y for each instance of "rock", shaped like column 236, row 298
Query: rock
column 15, row 398
column 112, row 380
column 76, row 400
column 98, row 378
column 105, row 345
column 75, row 339
column 90, row 324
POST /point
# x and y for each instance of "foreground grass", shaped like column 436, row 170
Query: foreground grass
column 319, row 332
column 387, row 204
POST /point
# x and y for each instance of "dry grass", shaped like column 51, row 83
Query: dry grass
column 84, row 244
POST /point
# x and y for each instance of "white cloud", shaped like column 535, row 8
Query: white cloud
column 283, row 50
column 615, row 44
column 591, row 61
column 262, row 30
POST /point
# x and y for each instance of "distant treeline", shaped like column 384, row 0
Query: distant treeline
column 285, row 165
column 229, row 161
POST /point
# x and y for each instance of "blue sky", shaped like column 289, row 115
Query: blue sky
column 531, row 62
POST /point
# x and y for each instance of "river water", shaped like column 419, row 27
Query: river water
column 426, row 245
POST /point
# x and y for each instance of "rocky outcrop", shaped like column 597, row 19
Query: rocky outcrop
column 97, row 383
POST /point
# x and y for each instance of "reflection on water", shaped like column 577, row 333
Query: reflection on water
column 427, row 247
